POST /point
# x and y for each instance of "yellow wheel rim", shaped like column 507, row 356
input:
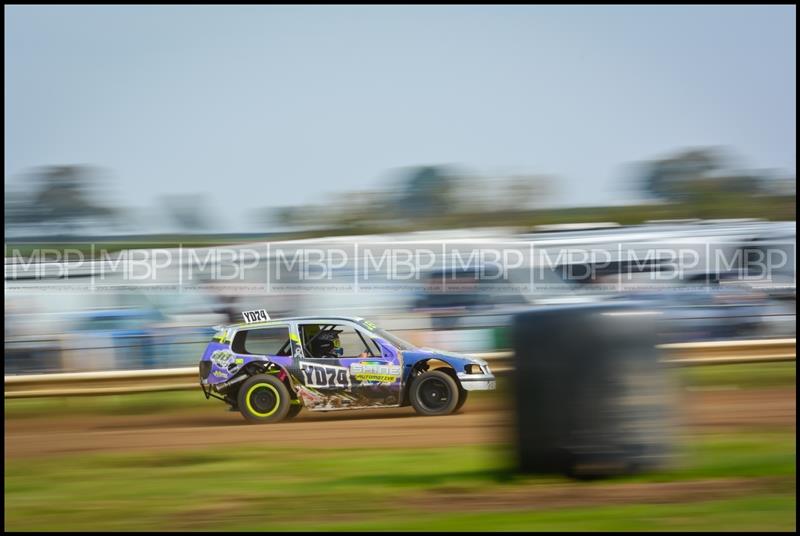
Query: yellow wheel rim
column 250, row 407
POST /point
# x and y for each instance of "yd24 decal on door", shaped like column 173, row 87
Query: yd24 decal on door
column 325, row 376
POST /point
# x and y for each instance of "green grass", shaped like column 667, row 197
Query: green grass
column 262, row 488
column 132, row 404
column 744, row 454
column 741, row 375
column 767, row 513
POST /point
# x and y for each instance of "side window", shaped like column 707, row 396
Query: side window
column 353, row 343
column 264, row 341
column 347, row 341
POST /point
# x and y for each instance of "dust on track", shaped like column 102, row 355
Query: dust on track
column 397, row 427
column 484, row 422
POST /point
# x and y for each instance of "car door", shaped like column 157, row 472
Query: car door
column 376, row 374
column 363, row 374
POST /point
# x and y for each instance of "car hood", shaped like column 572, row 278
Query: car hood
column 455, row 359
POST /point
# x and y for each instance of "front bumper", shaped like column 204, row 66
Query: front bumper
column 478, row 382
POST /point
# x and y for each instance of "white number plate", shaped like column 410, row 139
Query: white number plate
column 255, row 316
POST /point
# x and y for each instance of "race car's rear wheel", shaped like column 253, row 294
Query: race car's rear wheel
column 263, row 398
column 434, row 393
column 294, row 409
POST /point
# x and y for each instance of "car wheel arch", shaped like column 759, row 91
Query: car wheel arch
column 268, row 367
column 432, row 364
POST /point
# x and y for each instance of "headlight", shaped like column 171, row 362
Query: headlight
column 474, row 369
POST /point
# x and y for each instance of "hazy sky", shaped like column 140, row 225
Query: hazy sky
column 267, row 106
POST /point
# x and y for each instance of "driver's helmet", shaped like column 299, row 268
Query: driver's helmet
column 327, row 344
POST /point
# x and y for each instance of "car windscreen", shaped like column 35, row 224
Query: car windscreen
column 383, row 334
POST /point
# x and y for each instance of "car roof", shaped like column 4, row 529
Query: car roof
column 242, row 325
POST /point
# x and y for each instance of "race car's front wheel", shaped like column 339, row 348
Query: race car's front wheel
column 264, row 398
column 462, row 399
column 434, row 393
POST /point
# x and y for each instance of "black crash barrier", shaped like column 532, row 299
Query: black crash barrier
column 591, row 397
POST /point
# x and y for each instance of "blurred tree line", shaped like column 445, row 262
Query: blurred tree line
column 59, row 198
column 702, row 182
column 702, row 174
column 75, row 200
column 423, row 197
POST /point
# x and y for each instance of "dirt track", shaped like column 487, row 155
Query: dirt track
column 482, row 422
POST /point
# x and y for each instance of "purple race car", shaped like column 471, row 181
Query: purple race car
column 270, row 369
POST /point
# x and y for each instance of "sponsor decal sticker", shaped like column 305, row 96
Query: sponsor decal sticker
column 375, row 372
column 222, row 358
column 325, row 376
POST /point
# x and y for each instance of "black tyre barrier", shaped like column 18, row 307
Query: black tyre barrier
column 591, row 398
